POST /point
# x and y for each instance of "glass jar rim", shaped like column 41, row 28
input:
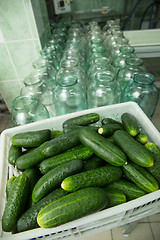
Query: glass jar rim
column 105, row 76
column 67, row 81
column 144, row 78
column 134, row 61
column 72, row 62
column 17, row 102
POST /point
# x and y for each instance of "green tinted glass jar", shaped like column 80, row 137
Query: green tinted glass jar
column 27, row 109
column 133, row 65
column 104, row 90
column 69, row 96
column 143, row 91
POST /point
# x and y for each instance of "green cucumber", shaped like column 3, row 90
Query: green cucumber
column 69, row 128
column 14, row 153
column 82, row 120
column 9, row 185
column 108, row 129
column 134, row 150
column 142, row 138
column 140, row 177
column 81, row 152
column 61, row 144
column 102, row 148
column 130, row 124
column 31, row 138
column 93, row 162
column 108, row 120
column 155, row 169
column 31, row 158
column 53, row 178
column 72, row 206
column 28, row 220
column 115, row 197
column 130, row 189
column 16, row 203
column 97, row 177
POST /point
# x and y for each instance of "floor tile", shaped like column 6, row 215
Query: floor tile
column 156, row 230
column 106, row 235
column 154, row 218
column 142, row 231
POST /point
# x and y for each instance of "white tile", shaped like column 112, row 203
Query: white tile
column 156, row 230
column 141, row 232
column 144, row 220
column 106, row 235
column 154, row 218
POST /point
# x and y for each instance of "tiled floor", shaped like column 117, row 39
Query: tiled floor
column 146, row 229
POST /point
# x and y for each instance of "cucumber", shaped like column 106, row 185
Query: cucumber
column 53, row 178
column 31, row 138
column 69, row 128
column 134, row 150
column 61, row 144
column 16, row 203
column 55, row 133
column 115, row 197
column 142, row 138
column 130, row 189
column 140, row 177
column 81, row 152
column 155, row 169
column 31, row 158
column 82, row 120
column 98, row 177
column 108, row 120
column 130, row 124
column 9, row 185
column 108, row 129
column 102, row 148
column 14, row 153
column 28, row 220
column 73, row 206
column 93, row 162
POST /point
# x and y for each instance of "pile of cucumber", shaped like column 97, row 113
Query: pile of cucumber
column 91, row 165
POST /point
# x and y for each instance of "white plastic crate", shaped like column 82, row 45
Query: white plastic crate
column 94, row 223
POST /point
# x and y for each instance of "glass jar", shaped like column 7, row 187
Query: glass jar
column 70, row 67
column 104, row 90
column 119, row 61
column 132, row 66
column 70, row 96
column 143, row 91
column 27, row 109
column 40, row 85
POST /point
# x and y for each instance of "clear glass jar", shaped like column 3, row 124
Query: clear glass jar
column 70, row 67
column 115, row 49
column 119, row 61
column 143, row 91
column 104, row 90
column 40, row 85
column 27, row 109
column 70, row 96
column 132, row 66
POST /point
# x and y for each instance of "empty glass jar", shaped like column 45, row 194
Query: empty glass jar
column 104, row 90
column 69, row 96
column 132, row 65
column 143, row 91
column 27, row 109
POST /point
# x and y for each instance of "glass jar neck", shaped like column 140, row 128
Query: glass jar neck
column 34, row 78
column 127, row 50
column 144, row 78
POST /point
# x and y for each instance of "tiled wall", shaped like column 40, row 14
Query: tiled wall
column 24, row 28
